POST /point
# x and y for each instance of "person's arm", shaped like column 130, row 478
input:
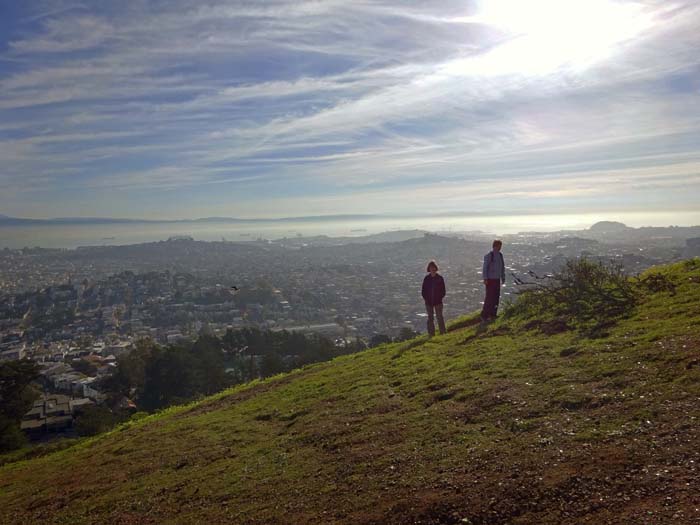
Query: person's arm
column 485, row 268
column 443, row 290
column 424, row 291
column 503, row 270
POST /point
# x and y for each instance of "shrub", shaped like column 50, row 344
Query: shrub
column 94, row 420
column 16, row 398
column 583, row 294
column 11, row 437
column 657, row 282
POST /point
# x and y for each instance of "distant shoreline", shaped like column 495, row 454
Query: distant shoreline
column 62, row 221
column 73, row 233
column 362, row 218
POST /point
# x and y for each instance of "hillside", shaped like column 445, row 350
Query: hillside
column 508, row 425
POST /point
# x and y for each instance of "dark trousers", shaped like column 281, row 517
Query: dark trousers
column 493, row 295
column 435, row 310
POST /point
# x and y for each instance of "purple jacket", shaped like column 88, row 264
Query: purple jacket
column 433, row 289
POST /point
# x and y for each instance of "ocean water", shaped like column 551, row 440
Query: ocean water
column 74, row 235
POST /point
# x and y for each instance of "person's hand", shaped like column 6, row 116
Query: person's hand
column 486, row 281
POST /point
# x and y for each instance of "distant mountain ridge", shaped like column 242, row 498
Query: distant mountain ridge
column 4, row 219
column 605, row 231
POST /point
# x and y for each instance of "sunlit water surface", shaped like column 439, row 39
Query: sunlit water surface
column 71, row 236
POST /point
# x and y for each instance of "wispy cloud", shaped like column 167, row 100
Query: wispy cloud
column 285, row 103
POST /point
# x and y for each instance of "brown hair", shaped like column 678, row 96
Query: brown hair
column 432, row 263
column 497, row 243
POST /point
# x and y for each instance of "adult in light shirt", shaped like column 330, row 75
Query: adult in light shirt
column 494, row 275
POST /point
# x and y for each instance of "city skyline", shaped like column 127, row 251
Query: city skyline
column 168, row 110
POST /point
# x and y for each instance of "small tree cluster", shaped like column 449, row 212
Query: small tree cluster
column 94, row 419
column 156, row 377
column 405, row 334
column 16, row 397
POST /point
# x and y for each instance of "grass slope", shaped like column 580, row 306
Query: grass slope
column 505, row 426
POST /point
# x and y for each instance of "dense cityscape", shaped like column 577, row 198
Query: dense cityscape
column 77, row 313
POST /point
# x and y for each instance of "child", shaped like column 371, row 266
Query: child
column 433, row 292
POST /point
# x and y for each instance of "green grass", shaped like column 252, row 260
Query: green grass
column 505, row 425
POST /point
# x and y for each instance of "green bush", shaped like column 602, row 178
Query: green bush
column 136, row 416
column 583, row 294
column 16, row 397
column 656, row 283
column 11, row 437
column 95, row 420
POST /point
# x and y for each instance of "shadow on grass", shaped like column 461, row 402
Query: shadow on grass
column 466, row 322
column 413, row 343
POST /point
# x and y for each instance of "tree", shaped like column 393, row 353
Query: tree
column 169, row 378
column 406, row 333
column 94, row 420
column 16, row 398
column 271, row 364
column 210, row 369
column 130, row 375
column 343, row 323
column 84, row 367
column 389, row 316
column 379, row 339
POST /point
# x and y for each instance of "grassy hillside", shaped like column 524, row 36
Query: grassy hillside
column 509, row 425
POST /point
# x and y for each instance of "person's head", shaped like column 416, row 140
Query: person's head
column 497, row 245
column 432, row 267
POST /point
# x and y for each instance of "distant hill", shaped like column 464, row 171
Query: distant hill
column 619, row 233
column 108, row 220
column 609, row 226
column 516, row 424
column 4, row 219
column 14, row 221
column 325, row 240
column 312, row 218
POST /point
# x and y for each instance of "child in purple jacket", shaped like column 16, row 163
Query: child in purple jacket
column 433, row 293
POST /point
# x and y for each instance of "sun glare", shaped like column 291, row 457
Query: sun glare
column 547, row 35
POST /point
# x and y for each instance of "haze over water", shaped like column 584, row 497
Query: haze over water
column 75, row 235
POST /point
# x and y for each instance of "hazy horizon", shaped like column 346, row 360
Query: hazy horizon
column 74, row 235
column 548, row 221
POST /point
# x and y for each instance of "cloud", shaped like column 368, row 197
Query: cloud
column 83, row 32
column 324, row 99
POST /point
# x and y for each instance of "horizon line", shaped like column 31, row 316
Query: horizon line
column 306, row 218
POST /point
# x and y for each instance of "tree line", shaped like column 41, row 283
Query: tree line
column 155, row 376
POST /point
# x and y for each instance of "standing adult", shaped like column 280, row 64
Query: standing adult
column 494, row 275
column 433, row 293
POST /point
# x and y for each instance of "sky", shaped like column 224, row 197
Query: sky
column 182, row 109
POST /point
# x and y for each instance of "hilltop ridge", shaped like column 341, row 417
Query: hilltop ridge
column 518, row 423
column 609, row 226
